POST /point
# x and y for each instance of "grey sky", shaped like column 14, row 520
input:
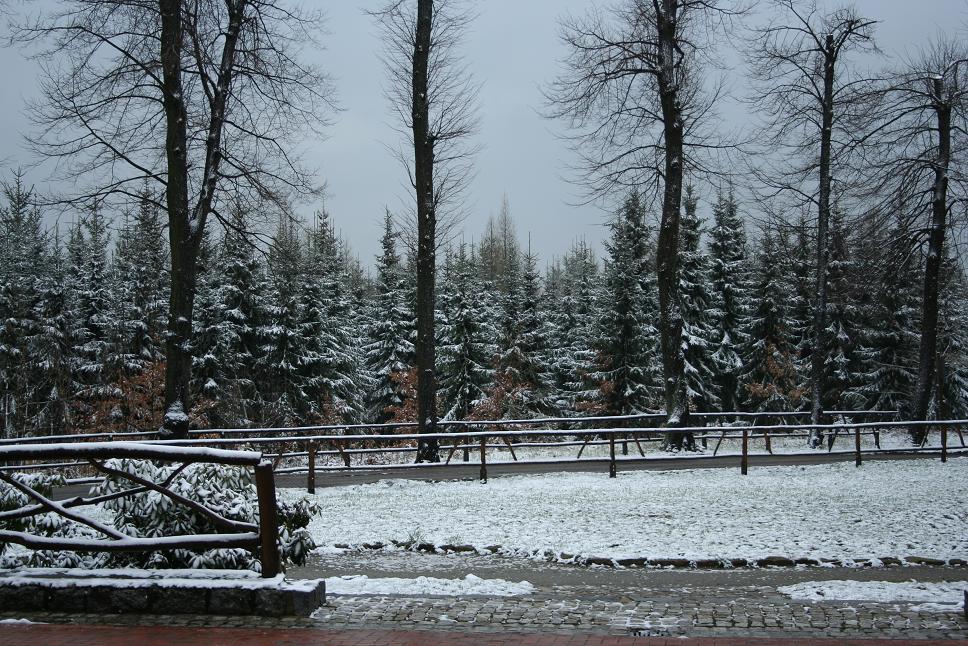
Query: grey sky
column 512, row 49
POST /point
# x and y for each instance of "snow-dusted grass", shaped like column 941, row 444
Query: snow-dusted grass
column 938, row 597
column 832, row 511
column 425, row 585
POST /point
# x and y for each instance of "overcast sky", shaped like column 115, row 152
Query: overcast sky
column 512, row 49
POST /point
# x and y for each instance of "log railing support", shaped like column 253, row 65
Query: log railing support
column 265, row 487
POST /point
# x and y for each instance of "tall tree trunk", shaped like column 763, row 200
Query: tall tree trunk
column 667, row 248
column 818, row 356
column 423, row 157
column 186, row 226
column 932, row 266
column 177, row 342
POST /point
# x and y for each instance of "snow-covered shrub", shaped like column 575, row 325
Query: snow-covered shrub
column 227, row 490
column 46, row 524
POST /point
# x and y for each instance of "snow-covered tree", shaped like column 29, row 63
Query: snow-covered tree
column 389, row 349
column 769, row 380
column 729, row 277
column 626, row 343
column 466, row 345
column 698, row 334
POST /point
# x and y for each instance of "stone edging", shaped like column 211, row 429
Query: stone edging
column 678, row 563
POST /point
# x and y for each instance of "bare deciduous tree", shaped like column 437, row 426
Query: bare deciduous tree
column 636, row 102
column 917, row 164
column 808, row 97
column 434, row 98
column 203, row 98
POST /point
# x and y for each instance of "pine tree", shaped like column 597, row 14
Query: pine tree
column 842, row 334
column 731, row 301
column 466, row 345
column 696, row 307
column 97, row 362
column 228, row 347
column 627, row 340
column 521, row 381
column 951, row 398
column 336, row 365
column 141, row 274
column 280, row 380
column 769, row 380
column 24, row 272
column 389, row 350
column 888, row 349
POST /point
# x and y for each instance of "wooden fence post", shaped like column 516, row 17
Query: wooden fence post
column 483, row 459
column 857, row 458
column 944, row 443
column 265, row 487
column 311, row 478
column 744, row 461
column 611, row 456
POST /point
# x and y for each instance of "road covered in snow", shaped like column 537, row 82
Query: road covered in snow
column 833, row 511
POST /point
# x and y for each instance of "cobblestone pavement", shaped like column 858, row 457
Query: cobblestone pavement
column 698, row 612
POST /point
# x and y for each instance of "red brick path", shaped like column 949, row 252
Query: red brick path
column 80, row 635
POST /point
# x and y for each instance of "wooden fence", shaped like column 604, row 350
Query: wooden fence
column 232, row 533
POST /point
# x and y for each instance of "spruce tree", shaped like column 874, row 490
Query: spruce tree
column 769, row 380
column 696, row 307
column 466, row 345
column 389, row 350
column 731, row 301
column 627, row 371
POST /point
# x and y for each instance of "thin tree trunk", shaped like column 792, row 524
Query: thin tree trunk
column 818, row 356
column 667, row 248
column 932, row 267
column 423, row 152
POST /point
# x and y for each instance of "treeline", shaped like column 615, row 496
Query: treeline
column 297, row 333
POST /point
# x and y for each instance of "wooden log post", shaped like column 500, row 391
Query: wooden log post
column 265, row 486
column 744, row 464
column 311, row 477
column 944, row 443
column 483, row 459
column 612, row 470
column 857, row 458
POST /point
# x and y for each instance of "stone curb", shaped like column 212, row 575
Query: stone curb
column 676, row 563
column 156, row 597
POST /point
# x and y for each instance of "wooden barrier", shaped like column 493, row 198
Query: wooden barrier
column 232, row 533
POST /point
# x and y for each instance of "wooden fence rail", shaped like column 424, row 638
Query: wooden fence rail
column 231, row 533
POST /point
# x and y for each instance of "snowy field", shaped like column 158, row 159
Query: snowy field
column 836, row 511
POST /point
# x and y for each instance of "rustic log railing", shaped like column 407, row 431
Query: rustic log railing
column 350, row 445
column 231, row 533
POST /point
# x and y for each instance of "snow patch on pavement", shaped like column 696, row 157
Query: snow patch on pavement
column 937, row 597
column 425, row 585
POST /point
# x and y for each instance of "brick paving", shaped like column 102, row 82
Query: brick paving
column 31, row 635
column 714, row 613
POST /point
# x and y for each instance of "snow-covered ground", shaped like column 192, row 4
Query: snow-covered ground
column 938, row 597
column 835, row 511
column 426, row 585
